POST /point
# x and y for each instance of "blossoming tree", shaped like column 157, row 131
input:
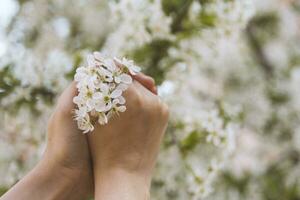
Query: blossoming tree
column 229, row 70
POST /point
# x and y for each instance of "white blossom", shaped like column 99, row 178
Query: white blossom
column 100, row 85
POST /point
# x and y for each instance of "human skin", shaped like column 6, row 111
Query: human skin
column 124, row 151
column 65, row 170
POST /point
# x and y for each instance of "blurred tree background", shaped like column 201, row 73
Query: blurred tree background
column 229, row 70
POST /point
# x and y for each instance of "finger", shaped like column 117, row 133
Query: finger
column 65, row 101
column 70, row 92
column 147, row 81
column 145, row 92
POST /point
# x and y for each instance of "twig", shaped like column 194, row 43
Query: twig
column 258, row 50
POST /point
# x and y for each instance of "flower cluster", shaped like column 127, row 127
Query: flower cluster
column 100, row 85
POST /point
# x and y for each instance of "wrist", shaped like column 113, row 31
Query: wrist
column 76, row 171
column 46, row 181
column 67, row 183
column 114, row 184
column 63, row 182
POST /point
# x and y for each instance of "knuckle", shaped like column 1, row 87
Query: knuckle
column 138, row 99
column 63, row 111
column 161, row 110
column 165, row 111
column 64, row 107
column 133, row 96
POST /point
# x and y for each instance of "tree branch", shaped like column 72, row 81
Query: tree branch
column 258, row 50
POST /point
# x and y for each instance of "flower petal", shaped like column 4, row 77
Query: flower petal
column 77, row 100
column 108, row 107
column 98, row 56
column 121, row 108
column 104, row 89
column 91, row 60
column 110, row 64
column 102, row 119
column 121, row 100
column 122, row 87
column 97, row 95
column 118, row 62
column 115, row 102
column 116, row 93
column 100, row 106
column 125, row 78
column 118, row 79
column 134, row 69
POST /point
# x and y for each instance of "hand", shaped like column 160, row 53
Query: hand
column 68, row 147
column 65, row 170
column 124, row 151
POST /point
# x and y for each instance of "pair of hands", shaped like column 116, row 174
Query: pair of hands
column 114, row 162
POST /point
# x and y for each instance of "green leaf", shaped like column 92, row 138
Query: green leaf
column 7, row 81
column 3, row 190
column 191, row 141
column 150, row 56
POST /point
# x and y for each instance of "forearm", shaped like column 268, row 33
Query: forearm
column 46, row 181
column 119, row 184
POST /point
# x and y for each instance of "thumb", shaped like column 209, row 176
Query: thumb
column 65, row 101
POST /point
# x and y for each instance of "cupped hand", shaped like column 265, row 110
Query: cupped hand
column 67, row 147
column 124, row 151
